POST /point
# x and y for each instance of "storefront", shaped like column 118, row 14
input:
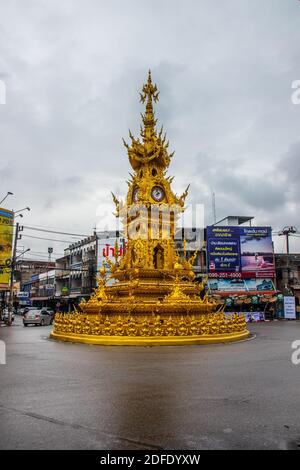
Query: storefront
column 256, row 306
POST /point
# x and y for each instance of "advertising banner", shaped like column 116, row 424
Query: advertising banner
column 241, row 285
column 256, row 249
column 223, row 249
column 247, row 250
column 250, row 316
column 226, row 285
column 254, row 316
column 6, row 236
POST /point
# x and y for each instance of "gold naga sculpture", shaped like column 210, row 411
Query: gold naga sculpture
column 153, row 299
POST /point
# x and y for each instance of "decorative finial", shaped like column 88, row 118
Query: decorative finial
column 149, row 90
column 151, row 145
column 117, row 203
column 149, row 93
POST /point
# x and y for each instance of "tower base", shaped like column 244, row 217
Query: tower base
column 150, row 340
column 150, row 330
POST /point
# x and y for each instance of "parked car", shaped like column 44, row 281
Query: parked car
column 51, row 311
column 24, row 310
column 37, row 317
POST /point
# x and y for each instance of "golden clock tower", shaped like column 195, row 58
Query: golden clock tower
column 151, row 209
column 153, row 299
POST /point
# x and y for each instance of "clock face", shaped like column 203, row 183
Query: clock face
column 135, row 194
column 157, row 193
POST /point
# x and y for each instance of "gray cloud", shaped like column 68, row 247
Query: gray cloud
column 73, row 70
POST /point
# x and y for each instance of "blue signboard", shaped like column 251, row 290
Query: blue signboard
column 223, row 249
column 240, row 249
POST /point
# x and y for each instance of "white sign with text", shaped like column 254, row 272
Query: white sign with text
column 289, row 307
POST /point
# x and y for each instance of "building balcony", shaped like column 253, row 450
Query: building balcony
column 76, row 265
column 75, row 290
column 62, row 274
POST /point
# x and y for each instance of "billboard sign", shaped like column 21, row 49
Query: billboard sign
column 223, row 248
column 245, row 250
column 22, row 295
column 6, row 237
column 256, row 249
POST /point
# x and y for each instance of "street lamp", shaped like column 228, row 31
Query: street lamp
column 24, row 209
column 50, row 251
column 23, row 253
column 9, row 193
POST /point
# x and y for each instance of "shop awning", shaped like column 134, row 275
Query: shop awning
column 244, row 293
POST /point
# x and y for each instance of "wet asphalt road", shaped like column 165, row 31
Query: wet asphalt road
column 71, row 396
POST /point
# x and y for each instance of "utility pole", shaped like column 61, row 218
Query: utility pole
column 214, row 207
column 13, row 260
column 12, row 272
column 286, row 231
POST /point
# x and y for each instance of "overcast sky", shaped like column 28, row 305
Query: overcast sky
column 73, row 70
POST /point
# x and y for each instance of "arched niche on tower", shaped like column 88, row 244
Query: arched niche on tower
column 158, row 257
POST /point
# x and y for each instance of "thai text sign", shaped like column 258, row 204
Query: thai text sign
column 6, row 236
column 289, row 307
column 240, row 249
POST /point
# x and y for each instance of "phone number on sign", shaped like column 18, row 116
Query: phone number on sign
column 225, row 275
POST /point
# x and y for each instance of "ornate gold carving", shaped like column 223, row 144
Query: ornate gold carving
column 154, row 325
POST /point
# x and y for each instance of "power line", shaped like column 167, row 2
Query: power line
column 291, row 235
column 39, row 255
column 48, row 239
column 55, row 267
column 43, row 252
column 48, row 228
column 54, row 231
